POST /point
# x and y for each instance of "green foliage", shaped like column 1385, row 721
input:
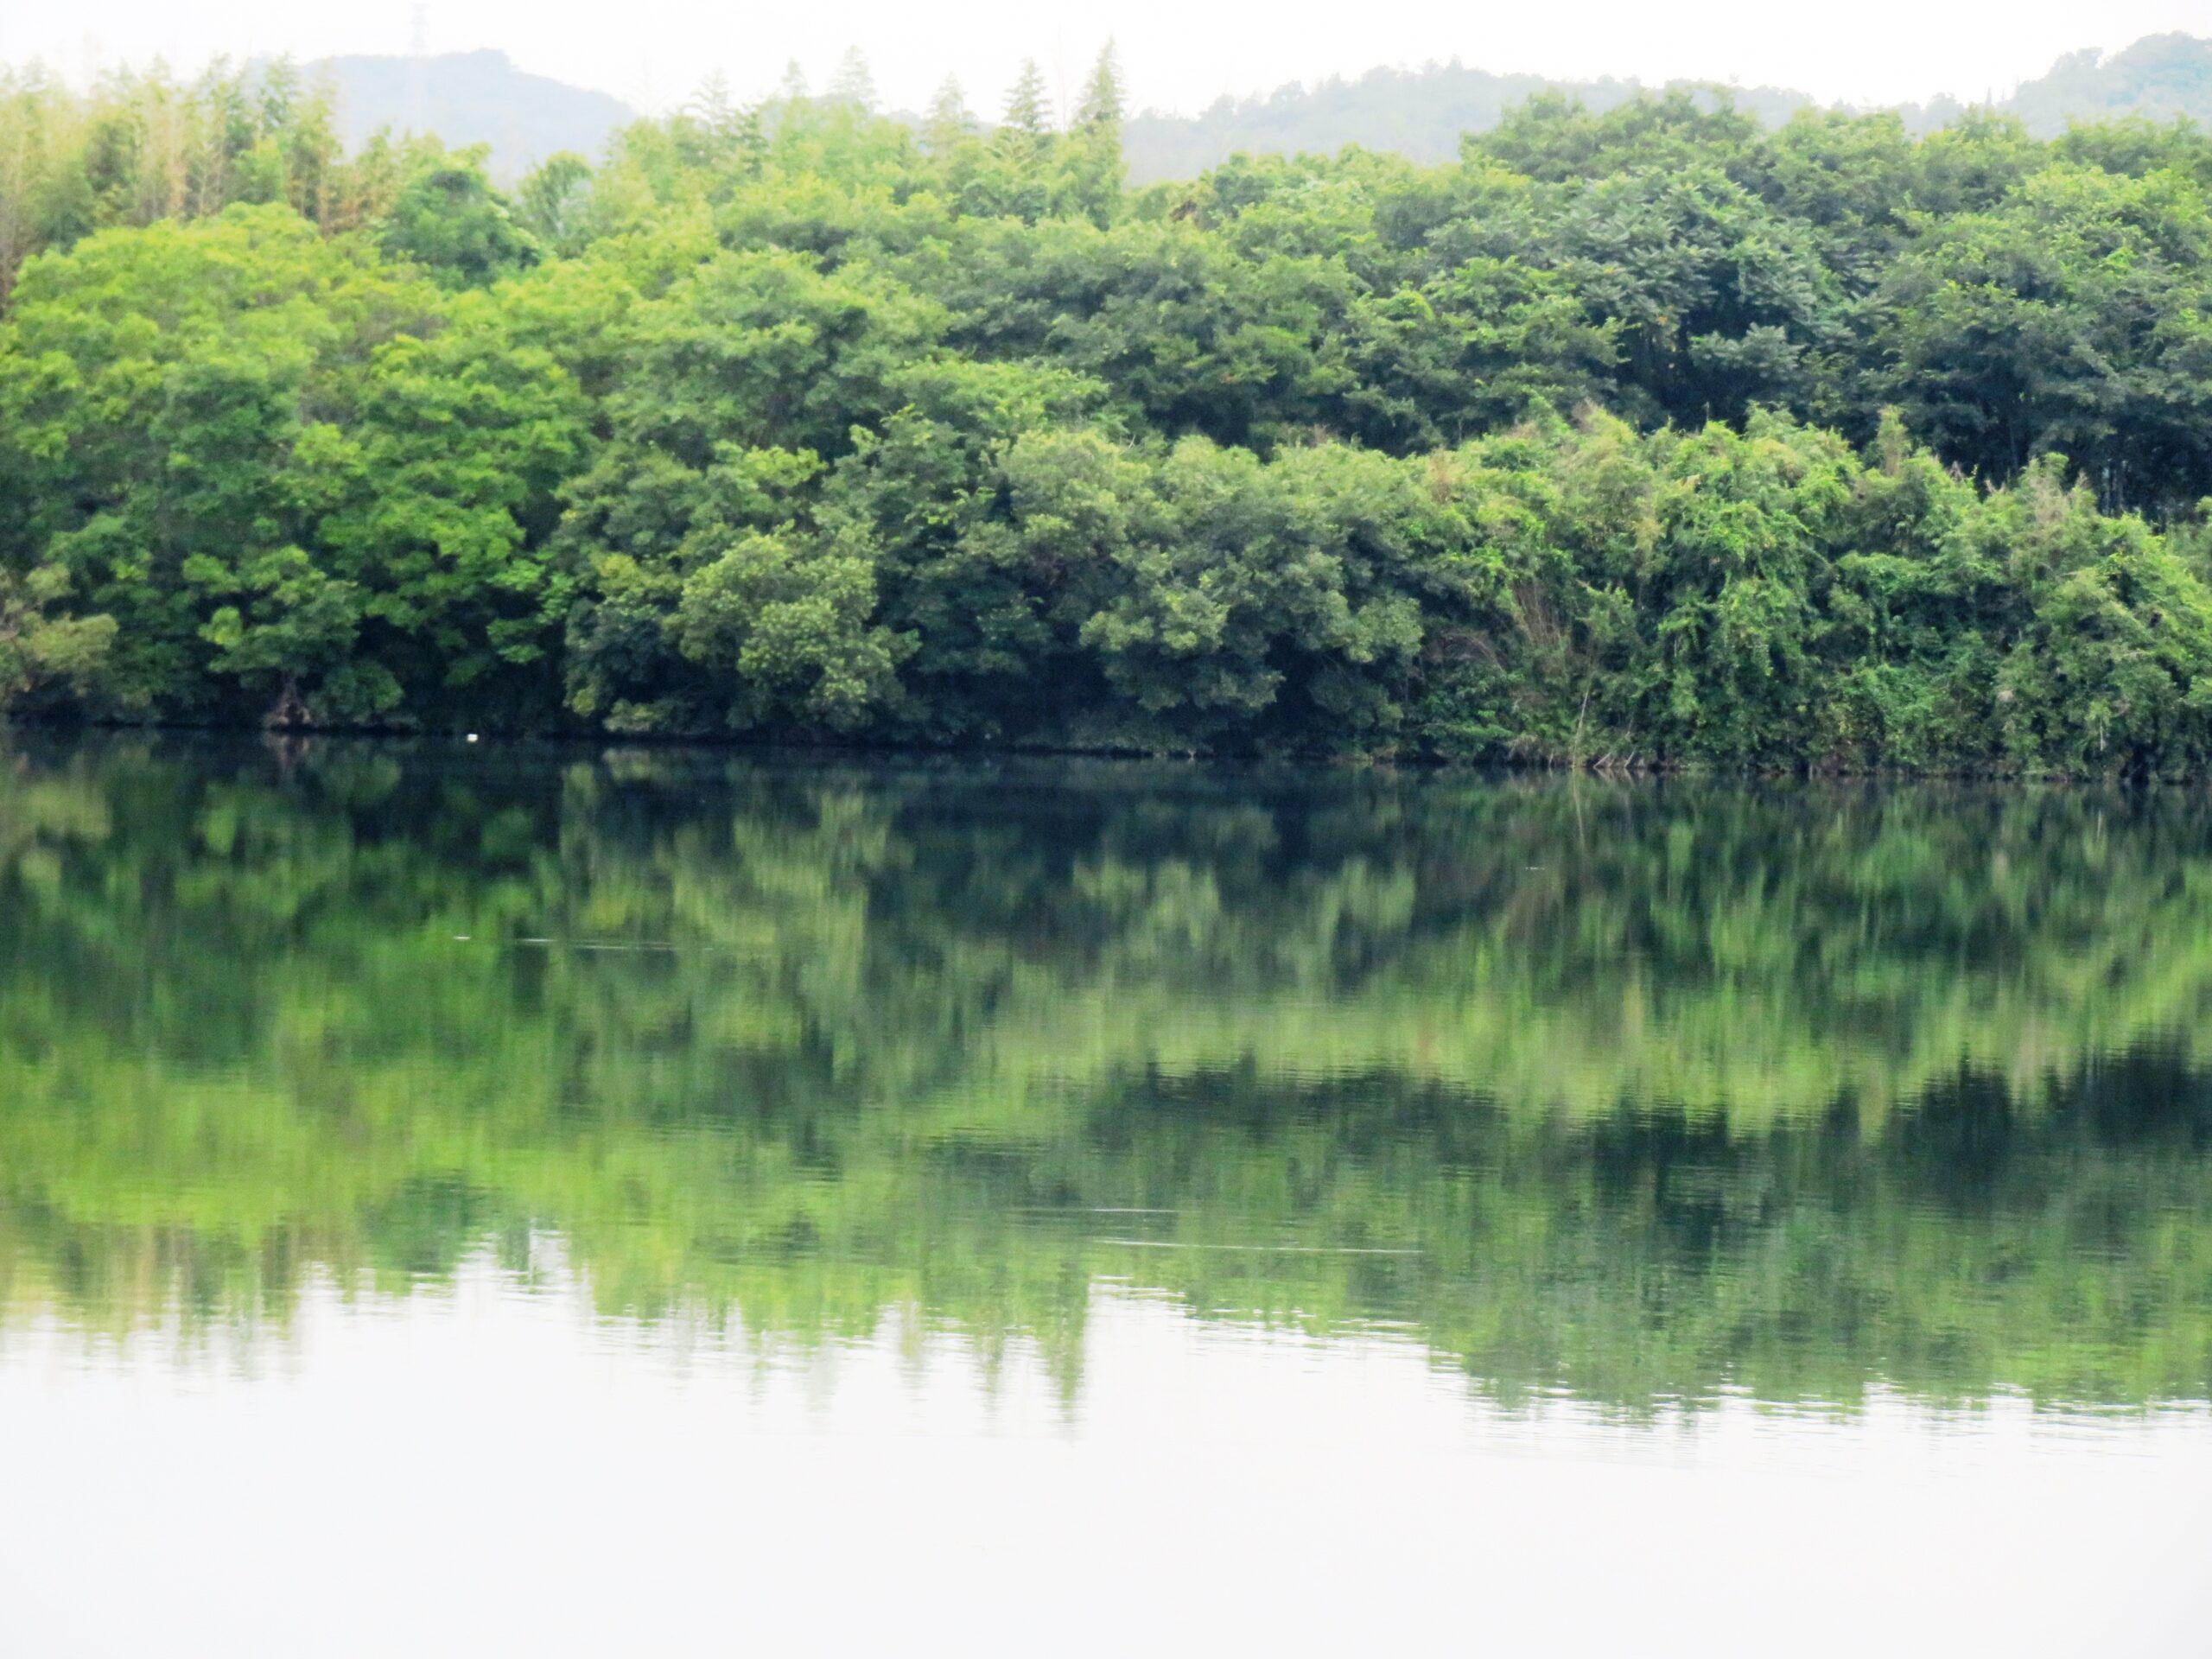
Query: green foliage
column 789, row 626
column 2074, row 318
column 143, row 148
column 449, row 221
column 553, row 202
column 1640, row 434
column 39, row 650
column 299, row 483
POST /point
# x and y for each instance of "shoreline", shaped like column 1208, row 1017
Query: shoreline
column 1311, row 761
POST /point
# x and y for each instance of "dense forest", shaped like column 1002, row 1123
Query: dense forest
column 1645, row 1093
column 1647, row 436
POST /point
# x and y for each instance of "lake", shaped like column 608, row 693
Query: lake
column 480, row 1198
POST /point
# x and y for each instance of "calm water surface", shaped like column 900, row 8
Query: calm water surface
column 467, row 1200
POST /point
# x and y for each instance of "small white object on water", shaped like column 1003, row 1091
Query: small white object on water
column 472, row 737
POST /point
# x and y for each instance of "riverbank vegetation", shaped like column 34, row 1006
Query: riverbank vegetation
column 1647, row 436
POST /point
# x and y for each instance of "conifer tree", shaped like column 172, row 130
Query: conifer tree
column 1027, row 113
column 948, row 124
column 1101, row 108
column 854, row 83
column 1095, row 166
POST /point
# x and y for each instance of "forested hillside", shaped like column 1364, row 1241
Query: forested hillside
column 1649, row 434
column 2160, row 78
column 1423, row 113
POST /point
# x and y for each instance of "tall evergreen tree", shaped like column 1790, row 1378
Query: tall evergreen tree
column 854, row 83
column 1096, row 163
column 948, row 124
column 1101, row 108
column 1028, row 111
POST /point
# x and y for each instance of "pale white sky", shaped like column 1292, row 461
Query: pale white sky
column 1179, row 55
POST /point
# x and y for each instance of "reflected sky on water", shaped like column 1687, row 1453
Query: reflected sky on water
column 469, row 1471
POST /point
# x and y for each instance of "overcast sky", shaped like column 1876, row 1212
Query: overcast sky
column 1178, row 55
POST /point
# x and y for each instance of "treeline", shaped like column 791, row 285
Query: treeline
column 1645, row 436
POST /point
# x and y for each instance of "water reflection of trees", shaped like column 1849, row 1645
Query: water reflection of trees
column 1639, row 1090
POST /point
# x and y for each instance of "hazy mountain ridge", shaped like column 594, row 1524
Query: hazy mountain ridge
column 1421, row 113
column 470, row 98
column 2161, row 76
column 1418, row 113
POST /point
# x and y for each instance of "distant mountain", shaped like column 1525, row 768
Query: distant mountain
column 1416, row 112
column 2160, row 76
column 469, row 97
column 473, row 97
column 1421, row 112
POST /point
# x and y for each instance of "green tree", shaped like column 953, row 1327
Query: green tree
column 449, row 221
column 1095, row 145
column 2070, row 319
column 788, row 623
column 166, row 397
column 41, row 651
column 554, row 203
